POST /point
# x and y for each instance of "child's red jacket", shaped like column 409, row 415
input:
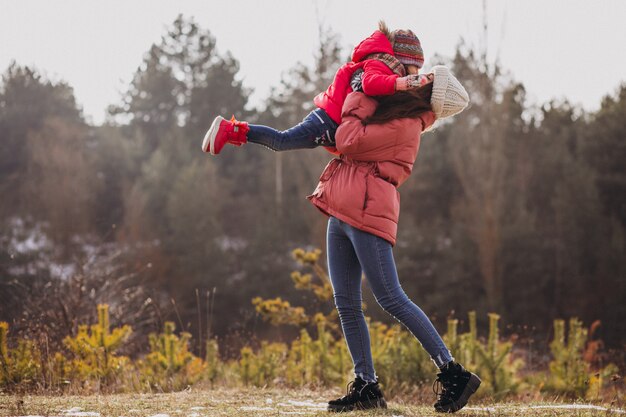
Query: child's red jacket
column 378, row 78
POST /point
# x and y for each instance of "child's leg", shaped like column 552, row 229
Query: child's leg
column 345, row 276
column 317, row 129
column 376, row 258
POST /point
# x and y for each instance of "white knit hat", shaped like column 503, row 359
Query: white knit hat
column 449, row 97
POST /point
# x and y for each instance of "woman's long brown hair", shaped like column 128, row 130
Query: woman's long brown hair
column 403, row 104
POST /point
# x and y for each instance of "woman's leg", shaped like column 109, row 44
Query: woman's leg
column 317, row 129
column 376, row 258
column 345, row 276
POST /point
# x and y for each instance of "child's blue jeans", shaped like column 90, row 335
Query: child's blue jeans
column 317, row 129
column 351, row 252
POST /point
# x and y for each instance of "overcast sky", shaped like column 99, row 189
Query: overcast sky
column 558, row 48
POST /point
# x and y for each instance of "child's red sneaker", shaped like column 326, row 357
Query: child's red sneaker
column 224, row 131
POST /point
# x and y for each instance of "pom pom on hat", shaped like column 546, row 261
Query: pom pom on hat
column 448, row 97
column 407, row 48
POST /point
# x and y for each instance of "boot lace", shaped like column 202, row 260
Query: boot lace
column 352, row 391
column 237, row 136
column 443, row 388
column 236, row 123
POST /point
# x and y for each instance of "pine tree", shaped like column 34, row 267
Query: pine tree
column 94, row 349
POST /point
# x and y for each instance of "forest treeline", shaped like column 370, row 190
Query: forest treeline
column 512, row 208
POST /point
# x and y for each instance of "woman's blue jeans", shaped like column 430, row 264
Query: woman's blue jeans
column 317, row 129
column 351, row 252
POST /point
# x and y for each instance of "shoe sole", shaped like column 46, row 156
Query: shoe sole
column 208, row 143
column 361, row 405
column 470, row 389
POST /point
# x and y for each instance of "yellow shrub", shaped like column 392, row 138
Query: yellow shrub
column 170, row 365
column 20, row 366
column 94, row 349
column 262, row 368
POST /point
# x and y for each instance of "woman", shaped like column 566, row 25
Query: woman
column 378, row 141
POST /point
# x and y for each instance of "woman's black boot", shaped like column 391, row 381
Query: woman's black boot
column 360, row 395
column 454, row 385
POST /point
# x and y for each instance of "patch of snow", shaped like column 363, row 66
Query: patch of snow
column 193, row 415
column 227, row 243
column 269, row 401
column 577, row 407
column 487, row 409
column 291, row 412
column 63, row 271
column 549, row 406
column 77, row 412
column 28, row 239
column 252, row 408
column 161, row 415
column 197, row 408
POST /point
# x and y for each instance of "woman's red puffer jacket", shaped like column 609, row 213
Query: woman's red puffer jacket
column 360, row 187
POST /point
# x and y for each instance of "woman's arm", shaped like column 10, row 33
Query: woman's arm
column 374, row 142
column 351, row 134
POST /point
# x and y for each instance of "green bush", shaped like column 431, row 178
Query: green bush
column 93, row 352
column 570, row 374
column 21, row 366
column 170, row 365
column 318, row 357
column 262, row 367
column 491, row 360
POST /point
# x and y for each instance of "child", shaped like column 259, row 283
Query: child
column 389, row 61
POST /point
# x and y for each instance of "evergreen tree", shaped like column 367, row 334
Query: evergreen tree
column 296, row 173
column 26, row 100
column 479, row 157
column 183, row 81
column 604, row 149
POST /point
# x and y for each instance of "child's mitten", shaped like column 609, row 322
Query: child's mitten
column 356, row 82
column 416, row 80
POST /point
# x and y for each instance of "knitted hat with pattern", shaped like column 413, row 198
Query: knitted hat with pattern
column 449, row 97
column 407, row 48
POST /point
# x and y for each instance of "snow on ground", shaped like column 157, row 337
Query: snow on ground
column 309, row 406
column 252, row 408
column 550, row 406
column 77, row 412
column 487, row 409
column 578, row 407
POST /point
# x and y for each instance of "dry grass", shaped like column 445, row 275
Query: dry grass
column 257, row 402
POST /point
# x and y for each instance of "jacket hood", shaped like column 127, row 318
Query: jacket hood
column 377, row 42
